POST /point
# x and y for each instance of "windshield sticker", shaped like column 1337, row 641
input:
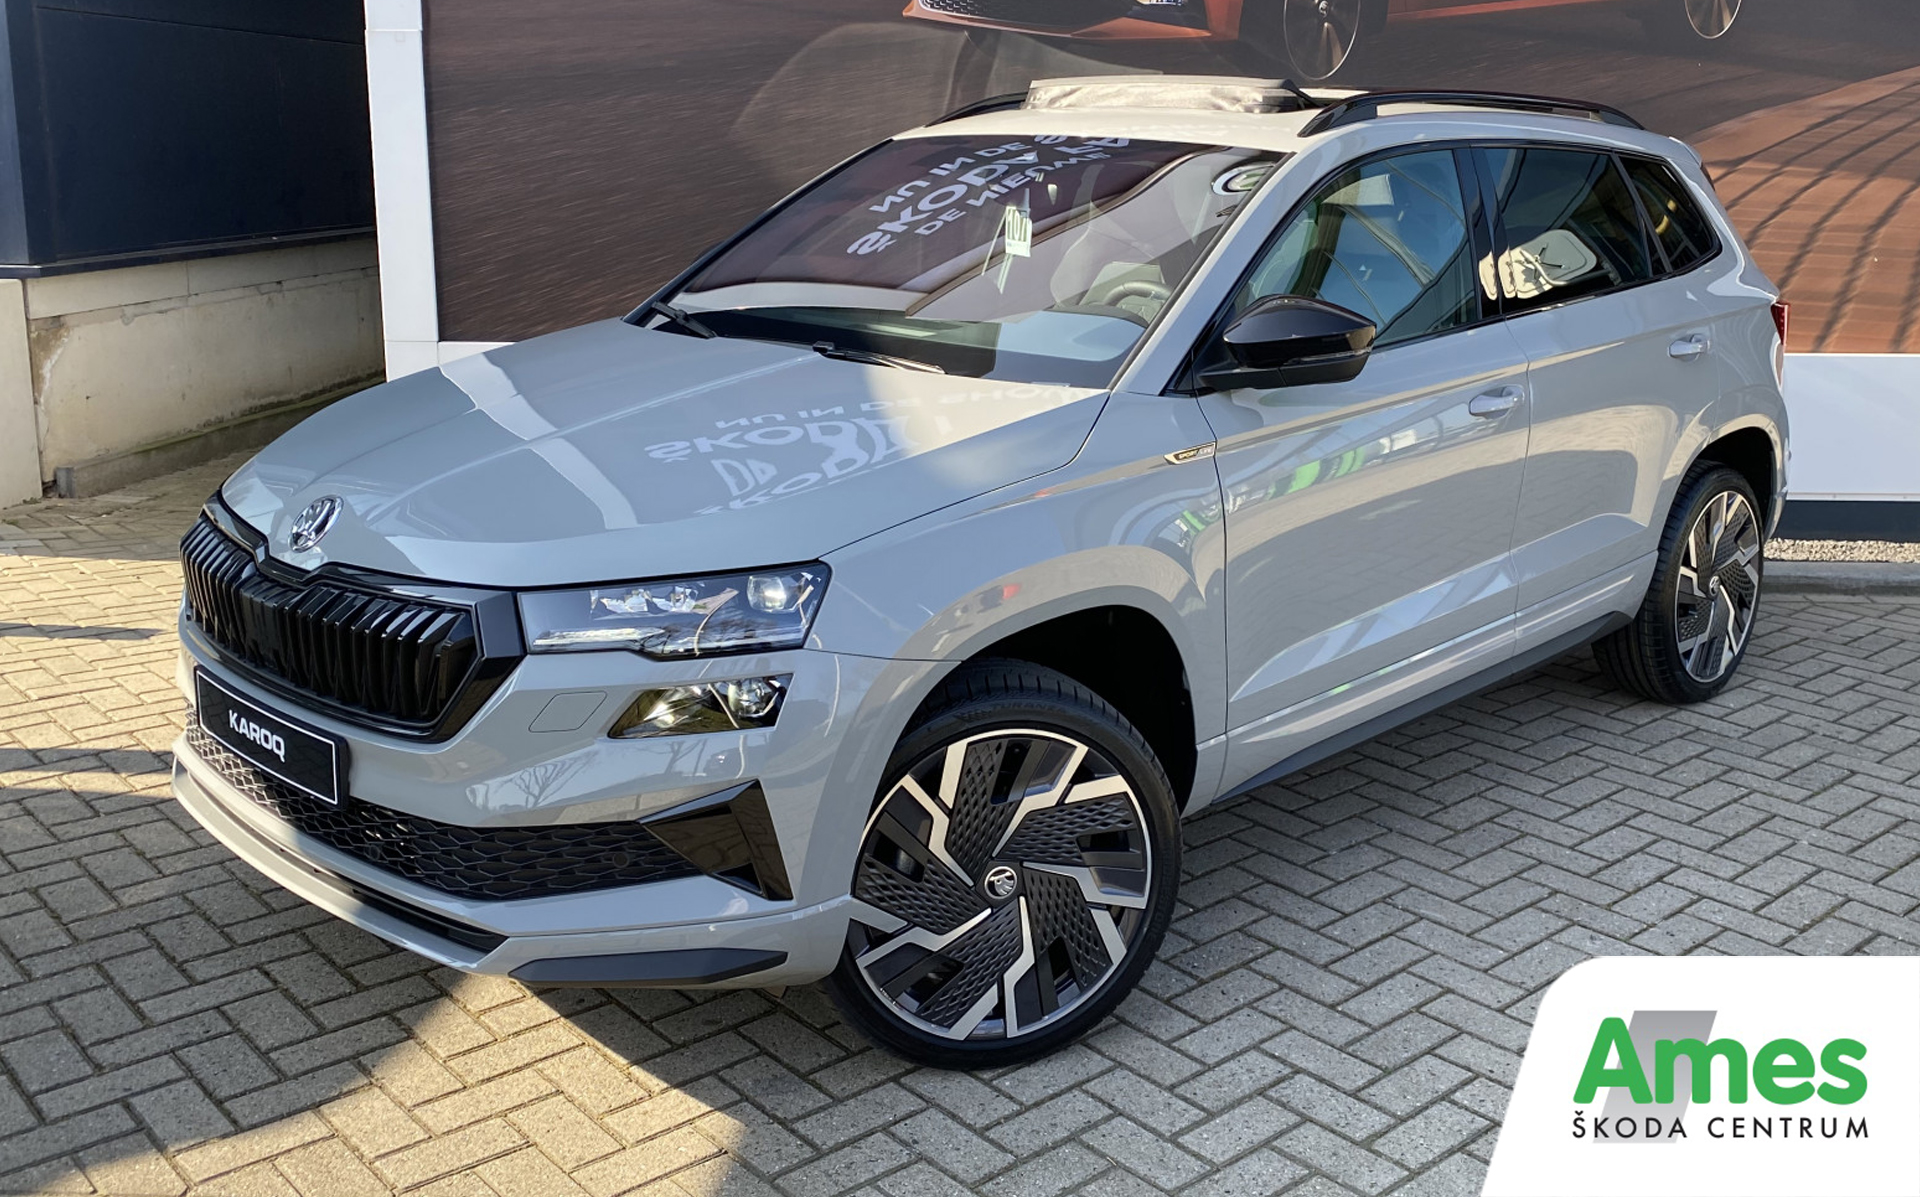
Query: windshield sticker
column 935, row 200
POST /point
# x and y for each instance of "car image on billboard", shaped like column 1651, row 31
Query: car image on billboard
column 1314, row 37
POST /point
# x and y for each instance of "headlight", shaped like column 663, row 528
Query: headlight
column 692, row 617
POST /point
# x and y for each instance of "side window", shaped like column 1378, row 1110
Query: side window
column 1678, row 224
column 1387, row 240
column 1572, row 226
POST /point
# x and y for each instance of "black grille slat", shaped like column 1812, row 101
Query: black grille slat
column 495, row 863
column 387, row 658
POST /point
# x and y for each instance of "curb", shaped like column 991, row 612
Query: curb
column 1843, row 577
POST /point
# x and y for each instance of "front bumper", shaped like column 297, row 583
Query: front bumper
column 497, row 772
column 792, row 947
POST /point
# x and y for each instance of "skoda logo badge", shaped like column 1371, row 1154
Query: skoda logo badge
column 313, row 523
column 1000, row 882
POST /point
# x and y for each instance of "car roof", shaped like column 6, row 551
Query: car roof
column 1196, row 109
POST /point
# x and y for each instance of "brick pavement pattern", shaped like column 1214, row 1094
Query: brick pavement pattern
column 1339, row 1008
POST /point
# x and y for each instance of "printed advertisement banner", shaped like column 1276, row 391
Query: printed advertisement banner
column 583, row 151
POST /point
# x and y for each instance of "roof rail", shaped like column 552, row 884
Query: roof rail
column 1012, row 99
column 1367, row 106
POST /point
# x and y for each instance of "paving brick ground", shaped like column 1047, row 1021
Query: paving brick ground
column 1339, row 1008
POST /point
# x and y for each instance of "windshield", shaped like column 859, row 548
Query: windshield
column 1037, row 259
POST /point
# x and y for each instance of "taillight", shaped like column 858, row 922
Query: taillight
column 1781, row 312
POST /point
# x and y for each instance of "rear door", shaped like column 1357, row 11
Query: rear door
column 1620, row 362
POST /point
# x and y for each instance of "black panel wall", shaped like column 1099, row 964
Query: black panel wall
column 134, row 129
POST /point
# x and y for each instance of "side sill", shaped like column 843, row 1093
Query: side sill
column 1540, row 654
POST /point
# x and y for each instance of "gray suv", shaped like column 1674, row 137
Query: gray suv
column 872, row 603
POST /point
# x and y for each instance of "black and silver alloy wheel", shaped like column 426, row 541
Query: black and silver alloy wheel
column 1011, row 883
column 1719, row 586
column 1712, row 18
column 1320, row 34
column 1695, row 624
column 1675, row 23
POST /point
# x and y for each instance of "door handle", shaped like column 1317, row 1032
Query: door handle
column 1495, row 403
column 1687, row 349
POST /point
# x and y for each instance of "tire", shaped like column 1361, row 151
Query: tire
column 1012, row 790
column 1690, row 635
column 1710, row 20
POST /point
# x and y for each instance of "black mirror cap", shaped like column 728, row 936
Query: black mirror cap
column 1292, row 340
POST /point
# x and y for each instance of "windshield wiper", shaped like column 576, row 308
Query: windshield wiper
column 685, row 320
column 868, row 357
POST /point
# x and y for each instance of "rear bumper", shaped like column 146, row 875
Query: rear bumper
column 706, row 937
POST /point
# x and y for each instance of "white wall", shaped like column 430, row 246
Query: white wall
column 402, row 189
column 1855, row 426
column 121, row 359
column 19, row 432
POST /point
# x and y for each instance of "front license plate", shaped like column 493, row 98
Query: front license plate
column 304, row 759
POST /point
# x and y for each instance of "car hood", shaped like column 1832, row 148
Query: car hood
column 611, row 451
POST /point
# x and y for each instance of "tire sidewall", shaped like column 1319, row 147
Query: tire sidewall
column 1706, row 487
column 1360, row 36
column 1122, row 746
column 1668, row 19
column 1263, row 32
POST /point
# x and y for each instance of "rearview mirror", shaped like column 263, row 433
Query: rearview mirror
column 1292, row 340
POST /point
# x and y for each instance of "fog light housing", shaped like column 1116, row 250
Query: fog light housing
column 740, row 704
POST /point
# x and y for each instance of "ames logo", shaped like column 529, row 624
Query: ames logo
column 266, row 739
column 1782, row 1070
column 1639, row 1064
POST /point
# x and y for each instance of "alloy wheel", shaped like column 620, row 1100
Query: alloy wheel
column 1712, row 18
column 1320, row 34
column 1002, row 881
column 1719, row 586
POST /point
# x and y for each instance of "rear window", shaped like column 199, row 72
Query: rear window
column 1681, row 229
column 1572, row 226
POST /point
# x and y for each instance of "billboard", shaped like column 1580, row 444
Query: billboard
column 582, row 151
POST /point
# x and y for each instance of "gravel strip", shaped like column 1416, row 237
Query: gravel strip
column 1843, row 550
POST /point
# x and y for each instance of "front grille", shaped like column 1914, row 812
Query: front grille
column 1055, row 14
column 381, row 658
column 466, row 862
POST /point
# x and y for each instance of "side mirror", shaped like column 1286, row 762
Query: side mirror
column 1289, row 341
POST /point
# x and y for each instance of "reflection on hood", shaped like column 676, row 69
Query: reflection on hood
column 610, row 451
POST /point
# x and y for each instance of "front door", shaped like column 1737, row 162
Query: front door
column 1370, row 522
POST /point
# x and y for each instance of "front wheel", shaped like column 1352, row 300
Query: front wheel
column 1015, row 877
column 1694, row 625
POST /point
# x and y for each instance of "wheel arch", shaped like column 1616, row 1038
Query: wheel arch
column 1148, row 683
column 1062, row 613
column 1753, row 451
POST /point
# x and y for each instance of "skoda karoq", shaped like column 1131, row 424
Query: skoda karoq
column 872, row 603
